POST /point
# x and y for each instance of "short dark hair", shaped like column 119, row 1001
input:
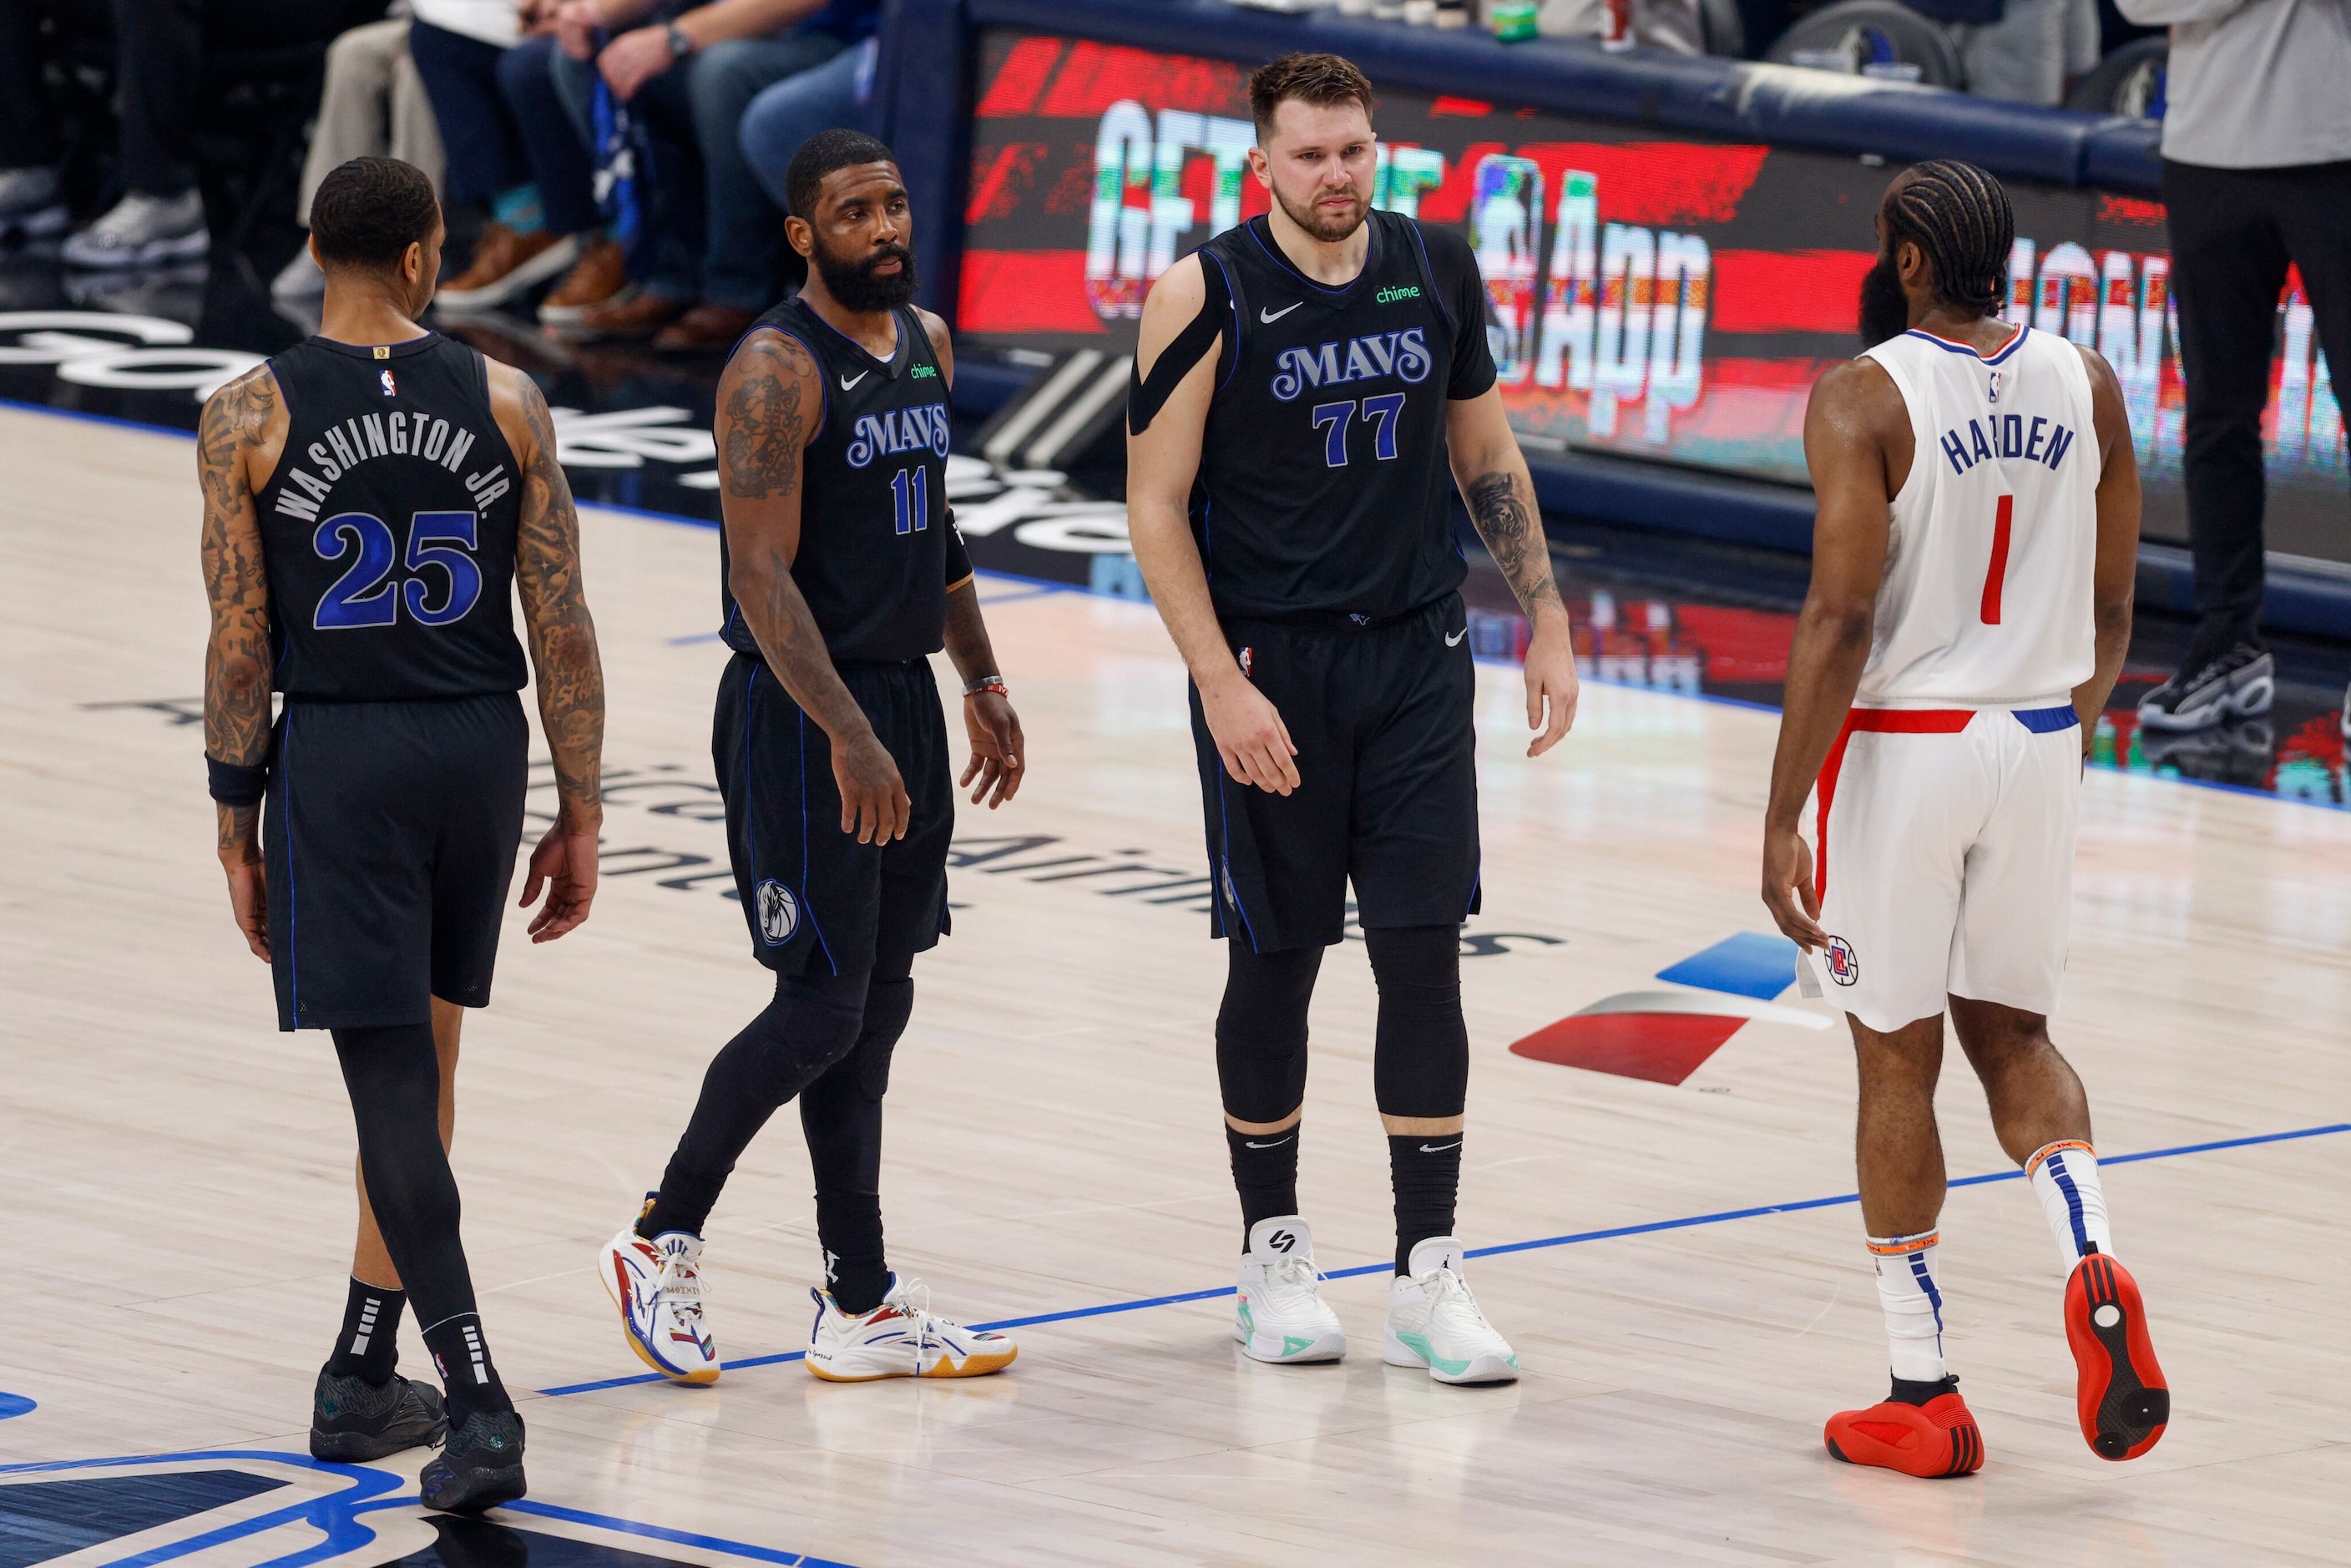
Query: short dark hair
column 1959, row 217
column 823, row 153
column 369, row 211
column 1322, row 80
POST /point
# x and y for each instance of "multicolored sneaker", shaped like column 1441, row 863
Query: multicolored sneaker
column 900, row 1338
column 1934, row 1439
column 1278, row 1313
column 657, row 1286
column 1434, row 1320
column 2124, row 1402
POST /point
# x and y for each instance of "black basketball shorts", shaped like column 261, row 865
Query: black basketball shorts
column 1384, row 721
column 815, row 899
column 388, row 836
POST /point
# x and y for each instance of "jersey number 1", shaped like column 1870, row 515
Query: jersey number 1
column 1996, row 574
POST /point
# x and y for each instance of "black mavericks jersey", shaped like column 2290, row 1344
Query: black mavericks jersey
column 873, row 493
column 1323, row 489
column 388, row 530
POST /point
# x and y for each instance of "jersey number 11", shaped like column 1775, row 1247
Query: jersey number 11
column 911, row 489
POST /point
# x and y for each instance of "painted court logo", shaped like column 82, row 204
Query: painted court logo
column 779, row 912
column 1845, row 968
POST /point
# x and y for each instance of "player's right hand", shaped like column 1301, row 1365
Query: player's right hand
column 248, row 899
column 1249, row 734
column 1788, row 891
column 873, row 804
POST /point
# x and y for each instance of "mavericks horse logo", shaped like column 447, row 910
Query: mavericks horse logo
column 779, row 912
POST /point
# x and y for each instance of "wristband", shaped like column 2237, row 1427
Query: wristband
column 233, row 784
column 988, row 684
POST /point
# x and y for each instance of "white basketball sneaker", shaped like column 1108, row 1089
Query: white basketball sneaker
column 1434, row 1320
column 900, row 1338
column 1278, row 1313
column 657, row 1286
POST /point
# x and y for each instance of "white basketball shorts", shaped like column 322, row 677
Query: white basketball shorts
column 1943, row 853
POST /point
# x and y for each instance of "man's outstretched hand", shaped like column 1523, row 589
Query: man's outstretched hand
column 565, row 864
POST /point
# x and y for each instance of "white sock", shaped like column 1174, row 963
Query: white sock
column 1913, row 1299
column 2064, row 1177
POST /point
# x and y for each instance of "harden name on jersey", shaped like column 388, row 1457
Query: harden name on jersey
column 366, row 436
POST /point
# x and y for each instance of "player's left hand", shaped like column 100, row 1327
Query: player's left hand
column 1788, row 887
column 248, row 897
column 998, row 749
column 634, row 58
column 1552, row 683
column 565, row 864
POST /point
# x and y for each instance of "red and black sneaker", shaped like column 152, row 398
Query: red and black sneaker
column 1931, row 1437
column 2123, row 1401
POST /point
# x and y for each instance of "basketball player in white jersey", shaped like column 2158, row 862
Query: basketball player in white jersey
column 1970, row 609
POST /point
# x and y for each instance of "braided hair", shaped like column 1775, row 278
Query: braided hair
column 1959, row 218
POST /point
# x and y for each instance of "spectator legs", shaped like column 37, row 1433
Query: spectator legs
column 788, row 112
column 461, row 75
column 162, row 45
column 362, row 114
column 557, row 153
column 662, row 260
column 746, row 230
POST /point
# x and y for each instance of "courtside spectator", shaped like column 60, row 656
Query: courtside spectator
column 833, row 94
column 374, row 106
column 2256, row 178
column 35, row 39
column 713, row 237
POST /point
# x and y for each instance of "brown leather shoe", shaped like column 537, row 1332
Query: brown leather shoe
column 705, row 327
column 505, row 263
column 599, row 274
column 637, row 316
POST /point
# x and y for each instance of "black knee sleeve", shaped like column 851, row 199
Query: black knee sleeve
column 395, row 1077
column 1261, row 1032
column 1421, row 1064
column 811, row 1024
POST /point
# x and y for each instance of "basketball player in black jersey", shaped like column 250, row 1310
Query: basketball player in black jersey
column 371, row 498
column 1304, row 382
column 844, row 574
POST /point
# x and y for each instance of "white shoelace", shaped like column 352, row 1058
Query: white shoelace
column 1449, row 1298
column 679, row 1288
column 1288, row 1280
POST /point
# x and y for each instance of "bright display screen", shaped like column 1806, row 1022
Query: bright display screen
column 1670, row 300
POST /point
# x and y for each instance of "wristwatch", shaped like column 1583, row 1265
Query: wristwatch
column 680, row 45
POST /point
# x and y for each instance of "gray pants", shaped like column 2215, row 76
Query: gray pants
column 374, row 107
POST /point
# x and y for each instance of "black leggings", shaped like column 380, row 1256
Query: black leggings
column 1420, row 1063
column 394, row 1078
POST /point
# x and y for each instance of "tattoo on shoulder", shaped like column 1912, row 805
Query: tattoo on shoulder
column 765, row 426
column 1513, row 533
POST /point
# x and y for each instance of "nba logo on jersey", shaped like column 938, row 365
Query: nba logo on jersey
column 1991, row 394
column 1843, row 967
column 779, row 912
column 1248, row 655
column 390, row 388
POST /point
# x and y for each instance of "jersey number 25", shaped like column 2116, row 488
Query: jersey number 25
column 363, row 595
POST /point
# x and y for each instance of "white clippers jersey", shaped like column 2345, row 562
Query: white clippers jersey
column 1987, row 598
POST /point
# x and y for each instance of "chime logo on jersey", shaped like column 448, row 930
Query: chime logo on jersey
column 899, row 430
column 1845, row 968
column 779, row 912
column 1403, row 354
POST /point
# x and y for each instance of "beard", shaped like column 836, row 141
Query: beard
column 1885, row 309
column 1329, row 230
column 857, row 286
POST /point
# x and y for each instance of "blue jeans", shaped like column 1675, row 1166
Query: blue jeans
column 501, row 124
column 713, row 234
column 791, row 111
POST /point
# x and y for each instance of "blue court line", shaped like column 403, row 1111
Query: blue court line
column 674, row 1537
column 1798, row 1207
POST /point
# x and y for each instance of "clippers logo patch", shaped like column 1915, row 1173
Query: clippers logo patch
column 391, row 387
column 779, row 912
column 1845, row 968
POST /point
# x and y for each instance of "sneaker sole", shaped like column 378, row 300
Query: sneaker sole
column 153, row 251
column 970, row 1366
column 2122, row 1401
column 629, row 1333
column 361, row 1447
column 1330, row 1346
column 1478, row 1369
column 484, row 1491
column 2252, row 700
column 558, row 257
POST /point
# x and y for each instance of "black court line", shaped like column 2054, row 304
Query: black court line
column 1571, row 1239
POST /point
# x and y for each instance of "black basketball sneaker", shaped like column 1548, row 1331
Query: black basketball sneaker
column 353, row 1421
column 2238, row 681
column 479, row 1467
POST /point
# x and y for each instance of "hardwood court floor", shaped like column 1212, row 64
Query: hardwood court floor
column 176, row 1174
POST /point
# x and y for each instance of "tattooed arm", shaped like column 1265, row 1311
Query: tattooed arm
column 769, row 401
column 242, row 427
column 1500, row 495
column 570, row 674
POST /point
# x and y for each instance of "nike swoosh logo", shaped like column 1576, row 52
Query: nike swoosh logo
column 1455, row 640
column 1275, row 1145
column 848, row 381
column 1439, row 1148
column 1270, row 316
